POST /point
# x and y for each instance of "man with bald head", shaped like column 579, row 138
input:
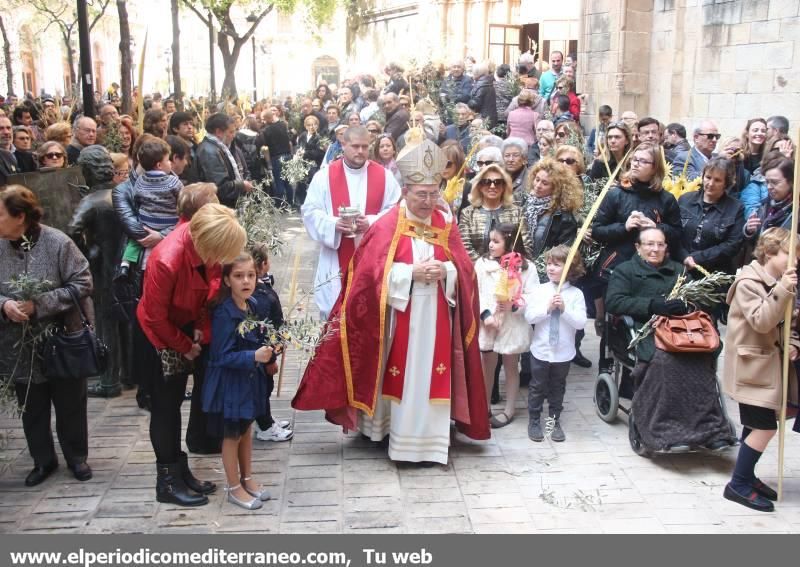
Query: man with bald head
column 705, row 141
column 84, row 133
column 355, row 183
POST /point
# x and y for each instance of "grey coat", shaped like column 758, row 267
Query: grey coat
column 53, row 257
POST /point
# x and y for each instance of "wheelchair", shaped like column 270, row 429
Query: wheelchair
column 614, row 384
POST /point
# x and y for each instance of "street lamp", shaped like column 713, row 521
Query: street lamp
column 252, row 18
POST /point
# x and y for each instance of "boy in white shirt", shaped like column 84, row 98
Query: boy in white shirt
column 557, row 317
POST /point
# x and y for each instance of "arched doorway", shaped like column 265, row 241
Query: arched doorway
column 326, row 69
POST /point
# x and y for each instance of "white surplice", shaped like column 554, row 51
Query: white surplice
column 418, row 429
column 320, row 222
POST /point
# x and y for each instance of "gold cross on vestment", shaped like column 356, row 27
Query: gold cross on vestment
column 426, row 233
column 394, row 371
column 441, row 368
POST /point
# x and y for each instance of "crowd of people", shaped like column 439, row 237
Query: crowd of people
column 420, row 192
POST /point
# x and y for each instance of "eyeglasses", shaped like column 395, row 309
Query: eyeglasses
column 512, row 156
column 710, row 135
column 483, row 163
column 122, row 172
column 561, row 134
column 493, row 182
column 423, row 196
column 639, row 161
column 54, row 155
column 568, row 161
column 374, row 131
column 448, row 164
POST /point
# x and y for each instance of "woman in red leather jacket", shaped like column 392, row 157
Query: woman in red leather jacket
column 183, row 271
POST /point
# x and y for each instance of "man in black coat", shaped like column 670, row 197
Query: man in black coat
column 216, row 163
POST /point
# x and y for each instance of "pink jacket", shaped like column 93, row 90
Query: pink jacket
column 522, row 124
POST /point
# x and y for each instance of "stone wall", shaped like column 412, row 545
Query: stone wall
column 686, row 60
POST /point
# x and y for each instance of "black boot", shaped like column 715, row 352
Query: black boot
column 579, row 359
column 171, row 489
column 201, row 486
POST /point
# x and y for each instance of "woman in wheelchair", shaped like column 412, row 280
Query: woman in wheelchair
column 675, row 395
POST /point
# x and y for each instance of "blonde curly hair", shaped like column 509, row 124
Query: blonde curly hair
column 567, row 188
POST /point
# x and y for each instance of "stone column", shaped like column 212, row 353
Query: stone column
column 614, row 55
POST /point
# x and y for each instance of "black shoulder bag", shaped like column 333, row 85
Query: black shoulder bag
column 79, row 354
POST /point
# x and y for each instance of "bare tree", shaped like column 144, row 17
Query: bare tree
column 7, row 57
column 63, row 15
column 230, row 42
column 125, row 56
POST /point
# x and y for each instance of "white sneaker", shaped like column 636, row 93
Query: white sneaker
column 284, row 423
column 275, row 433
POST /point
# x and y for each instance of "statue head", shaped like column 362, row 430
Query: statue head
column 96, row 165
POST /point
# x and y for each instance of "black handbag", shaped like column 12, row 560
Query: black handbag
column 73, row 355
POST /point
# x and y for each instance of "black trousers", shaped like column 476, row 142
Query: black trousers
column 68, row 397
column 166, row 397
column 265, row 421
column 548, row 381
column 198, row 438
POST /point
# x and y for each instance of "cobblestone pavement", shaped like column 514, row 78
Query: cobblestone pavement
column 325, row 481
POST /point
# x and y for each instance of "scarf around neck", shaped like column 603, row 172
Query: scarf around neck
column 535, row 208
column 226, row 150
column 777, row 212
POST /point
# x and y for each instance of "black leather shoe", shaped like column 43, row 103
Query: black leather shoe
column 765, row 490
column 753, row 500
column 82, row 471
column 199, row 486
column 581, row 360
column 40, row 473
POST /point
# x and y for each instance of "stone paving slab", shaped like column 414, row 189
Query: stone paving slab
column 325, row 481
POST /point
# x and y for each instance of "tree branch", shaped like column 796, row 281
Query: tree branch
column 190, row 5
column 260, row 17
column 99, row 15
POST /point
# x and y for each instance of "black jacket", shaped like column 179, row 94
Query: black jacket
column 8, row 166
column 312, row 149
column 125, row 207
column 215, row 167
column 720, row 236
column 26, row 162
column 73, row 153
column 268, row 304
column 276, row 137
column 598, row 169
column 633, row 285
column 608, row 226
column 483, row 100
column 559, row 228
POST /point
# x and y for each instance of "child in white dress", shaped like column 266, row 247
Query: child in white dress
column 503, row 330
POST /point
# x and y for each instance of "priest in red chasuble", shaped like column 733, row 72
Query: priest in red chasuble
column 402, row 356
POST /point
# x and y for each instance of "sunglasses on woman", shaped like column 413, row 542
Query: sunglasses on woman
column 54, row 155
column 568, row 161
column 483, row 163
column 493, row 182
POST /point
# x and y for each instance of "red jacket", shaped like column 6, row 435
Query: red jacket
column 175, row 292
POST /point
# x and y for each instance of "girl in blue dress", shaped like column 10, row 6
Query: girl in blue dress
column 235, row 391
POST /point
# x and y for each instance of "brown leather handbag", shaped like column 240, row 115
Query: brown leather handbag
column 693, row 332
